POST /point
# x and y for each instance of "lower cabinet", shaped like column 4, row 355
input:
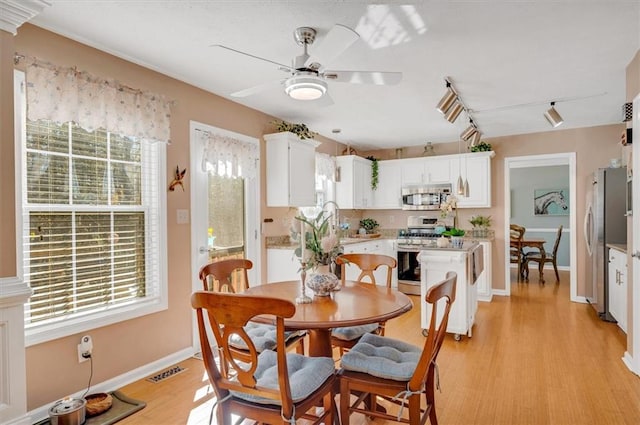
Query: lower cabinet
column 483, row 282
column 380, row 246
column 282, row 265
column 617, row 281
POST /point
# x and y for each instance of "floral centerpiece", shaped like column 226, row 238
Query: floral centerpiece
column 447, row 207
column 321, row 242
column 319, row 247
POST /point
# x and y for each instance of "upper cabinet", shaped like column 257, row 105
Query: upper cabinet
column 291, row 168
column 388, row 193
column 417, row 171
column 353, row 191
column 476, row 169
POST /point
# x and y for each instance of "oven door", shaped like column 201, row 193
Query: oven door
column 408, row 270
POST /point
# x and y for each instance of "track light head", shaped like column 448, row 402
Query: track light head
column 475, row 138
column 468, row 132
column 553, row 116
column 453, row 113
column 447, row 100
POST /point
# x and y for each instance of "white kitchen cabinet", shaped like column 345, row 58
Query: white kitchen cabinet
column 484, row 280
column 378, row 246
column 353, row 191
column 476, row 169
column 419, row 171
column 291, row 169
column 618, row 286
column 388, row 193
column 282, row 265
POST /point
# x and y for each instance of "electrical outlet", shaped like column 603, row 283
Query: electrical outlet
column 85, row 349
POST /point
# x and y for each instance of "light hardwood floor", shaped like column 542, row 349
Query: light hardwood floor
column 534, row 358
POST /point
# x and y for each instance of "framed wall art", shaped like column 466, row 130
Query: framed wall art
column 551, row 201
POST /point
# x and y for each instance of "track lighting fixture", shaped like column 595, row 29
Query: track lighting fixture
column 553, row 116
column 469, row 131
column 447, row 100
column 453, row 113
column 475, row 139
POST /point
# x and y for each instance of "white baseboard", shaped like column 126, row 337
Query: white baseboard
column 628, row 361
column 120, row 381
column 22, row 420
column 499, row 292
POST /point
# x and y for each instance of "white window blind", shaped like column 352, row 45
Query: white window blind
column 90, row 218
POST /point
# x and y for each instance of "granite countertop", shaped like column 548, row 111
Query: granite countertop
column 619, row 246
column 285, row 242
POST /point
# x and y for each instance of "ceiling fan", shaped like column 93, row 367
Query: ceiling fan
column 308, row 76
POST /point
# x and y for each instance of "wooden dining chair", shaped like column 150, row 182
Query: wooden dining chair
column 372, row 369
column 347, row 337
column 217, row 277
column 536, row 257
column 272, row 387
column 516, row 255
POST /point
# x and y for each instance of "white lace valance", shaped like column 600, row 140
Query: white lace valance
column 228, row 156
column 325, row 166
column 66, row 94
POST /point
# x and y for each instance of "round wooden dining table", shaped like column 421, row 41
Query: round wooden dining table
column 354, row 304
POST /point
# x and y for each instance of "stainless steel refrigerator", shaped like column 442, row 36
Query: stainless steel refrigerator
column 605, row 222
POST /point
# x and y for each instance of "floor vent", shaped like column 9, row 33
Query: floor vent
column 166, row 374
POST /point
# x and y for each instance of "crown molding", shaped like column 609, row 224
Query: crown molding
column 14, row 13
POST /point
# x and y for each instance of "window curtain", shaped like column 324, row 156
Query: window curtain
column 325, row 166
column 228, row 156
column 65, row 94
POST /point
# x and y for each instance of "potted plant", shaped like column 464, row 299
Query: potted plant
column 369, row 224
column 481, row 147
column 480, row 224
column 300, row 130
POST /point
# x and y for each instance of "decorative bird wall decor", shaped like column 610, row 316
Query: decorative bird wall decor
column 177, row 181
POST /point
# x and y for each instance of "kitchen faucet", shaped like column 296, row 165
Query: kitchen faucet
column 336, row 225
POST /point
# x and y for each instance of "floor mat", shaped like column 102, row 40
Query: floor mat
column 122, row 407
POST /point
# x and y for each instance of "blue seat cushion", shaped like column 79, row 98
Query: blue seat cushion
column 306, row 374
column 383, row 357
column 349, row 333
column 262, row 335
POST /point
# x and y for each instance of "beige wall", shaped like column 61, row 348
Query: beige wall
column 633, row 89
column 7, row 171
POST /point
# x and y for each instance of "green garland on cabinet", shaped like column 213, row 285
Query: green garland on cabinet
column 374, row 172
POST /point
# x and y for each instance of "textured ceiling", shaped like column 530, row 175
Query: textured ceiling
column 506, row 59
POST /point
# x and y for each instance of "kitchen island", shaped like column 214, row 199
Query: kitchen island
column 467, row 262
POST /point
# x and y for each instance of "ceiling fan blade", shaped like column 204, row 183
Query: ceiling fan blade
column 364, row 77
column 337, row 40
column 257, row 89
column 280, row 66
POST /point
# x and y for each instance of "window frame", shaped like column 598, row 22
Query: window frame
column 156, row 225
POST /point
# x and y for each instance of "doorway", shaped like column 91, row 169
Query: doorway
column 224, row 211
column 551, row 160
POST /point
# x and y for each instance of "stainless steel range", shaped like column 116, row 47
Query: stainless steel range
column 421, row 232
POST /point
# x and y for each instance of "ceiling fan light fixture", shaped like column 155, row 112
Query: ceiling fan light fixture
column 453, row 113
column 447, row 101
column 305, row 87
column 553, row 116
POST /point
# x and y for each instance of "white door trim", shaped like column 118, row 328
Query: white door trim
column 199, row 212
column 568, row 158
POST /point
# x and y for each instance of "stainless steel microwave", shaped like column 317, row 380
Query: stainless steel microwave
column 425, row 197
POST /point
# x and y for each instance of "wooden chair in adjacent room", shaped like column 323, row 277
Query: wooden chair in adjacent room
column 346, row 337
column 218, row 276
column 516, row 255
column 371, row 369
column 552, row 258
column 273, row 387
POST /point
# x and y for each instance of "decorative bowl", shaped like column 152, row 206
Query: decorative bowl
column 322, row 284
